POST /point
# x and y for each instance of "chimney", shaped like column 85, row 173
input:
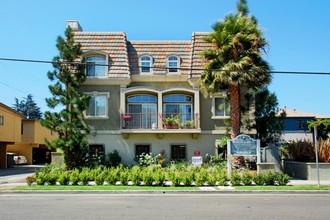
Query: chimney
column 74, row 25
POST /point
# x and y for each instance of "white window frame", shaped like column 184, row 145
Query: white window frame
column 95, row 94
column 219, row 96
column 150, row 66
column 168, row 61
column 97, row 54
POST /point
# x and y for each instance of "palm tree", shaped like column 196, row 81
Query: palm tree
column 235, row 60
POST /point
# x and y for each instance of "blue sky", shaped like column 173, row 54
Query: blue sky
column 298, row 32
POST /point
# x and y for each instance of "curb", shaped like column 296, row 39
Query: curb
column 163, row 192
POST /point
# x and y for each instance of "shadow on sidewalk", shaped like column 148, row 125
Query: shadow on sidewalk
column 19, row 169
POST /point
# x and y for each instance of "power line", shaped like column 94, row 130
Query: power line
column 158, row 67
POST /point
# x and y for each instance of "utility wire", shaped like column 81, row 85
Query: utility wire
column 157, row 67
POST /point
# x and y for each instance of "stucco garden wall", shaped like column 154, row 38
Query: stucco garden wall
column 306, row 171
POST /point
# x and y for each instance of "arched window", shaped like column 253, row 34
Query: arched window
column 180, row 105
column 145, row 64
column 96, row 66
column 173, row 63
column 143, row 110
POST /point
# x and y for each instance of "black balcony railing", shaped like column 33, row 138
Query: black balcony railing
column 159, row 121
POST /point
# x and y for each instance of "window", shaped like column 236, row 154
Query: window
column 142, row 148
column 2, row 120
column 300, row 124
column 97, row 105
column 178, row 104
column 143, row 110
column 145, row 64
column 178, row 152
column 96, row 151
column 173, row 64
column 96, row 66
column 221, row 107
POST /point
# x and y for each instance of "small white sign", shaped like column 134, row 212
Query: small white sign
column 197, row 160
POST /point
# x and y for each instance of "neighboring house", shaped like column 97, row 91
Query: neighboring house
column 22, row 137
column 10, row 130
column 296, row 125
column 32, row 144
column 138, row 87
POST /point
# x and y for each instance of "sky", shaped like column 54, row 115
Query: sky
column 298, row 33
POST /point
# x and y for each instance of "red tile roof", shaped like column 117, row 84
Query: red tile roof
column 124, row 55
column 198, row 45
column 159, row 51
column 112, row 43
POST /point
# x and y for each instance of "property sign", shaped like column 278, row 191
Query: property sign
column 197, row 160
column 242, row 145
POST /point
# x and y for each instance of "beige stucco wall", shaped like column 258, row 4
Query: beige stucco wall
column 205, row 143
column 10, row 131
column 113, row 121
column 34, row 132
column 108, row 131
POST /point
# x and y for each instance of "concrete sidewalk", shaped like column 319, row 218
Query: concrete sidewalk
column 16, row 175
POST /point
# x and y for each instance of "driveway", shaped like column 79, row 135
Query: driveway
column 16, row 175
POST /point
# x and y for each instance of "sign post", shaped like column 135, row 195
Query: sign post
column 316, row 156
column 242, row 145
column 197, row 159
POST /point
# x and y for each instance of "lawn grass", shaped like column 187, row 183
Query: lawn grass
column 288, row 187
column 110, row 187
column 156, row 188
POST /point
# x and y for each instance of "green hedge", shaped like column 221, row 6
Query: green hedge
column 155, row 175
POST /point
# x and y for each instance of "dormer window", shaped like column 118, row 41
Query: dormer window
column 173, row 63
column 145, row 64
column 96, row 66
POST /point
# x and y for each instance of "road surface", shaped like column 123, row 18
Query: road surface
column 74, row 205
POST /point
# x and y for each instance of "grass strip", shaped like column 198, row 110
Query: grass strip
column 111, row 187
column 294, row 187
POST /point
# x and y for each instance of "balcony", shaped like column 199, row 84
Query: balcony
column 159, row 123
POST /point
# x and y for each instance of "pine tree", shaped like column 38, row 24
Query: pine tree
column 68, row 74
column 269, row 118
column 28, row 107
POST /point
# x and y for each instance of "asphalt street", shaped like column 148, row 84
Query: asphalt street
column 164, row 206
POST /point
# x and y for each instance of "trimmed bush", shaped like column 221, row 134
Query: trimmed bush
column 247, row 177
column 41, row 178
column 84, row 176
column 259, row 179
column 222, row 177
column 74, row 177
column 147, row 177
column 99, row 180
column 64, row 178
column 123, row 176
column 281, row 178
column 159, row 177
column 235, row 178
column 201, row 177
column 269, row 177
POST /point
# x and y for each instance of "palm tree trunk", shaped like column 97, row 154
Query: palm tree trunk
column 235, row 114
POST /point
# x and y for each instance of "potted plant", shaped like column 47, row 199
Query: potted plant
column 171, row 122
column 188, row 124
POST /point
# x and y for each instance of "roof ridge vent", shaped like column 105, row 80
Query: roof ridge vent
column 74, row 25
